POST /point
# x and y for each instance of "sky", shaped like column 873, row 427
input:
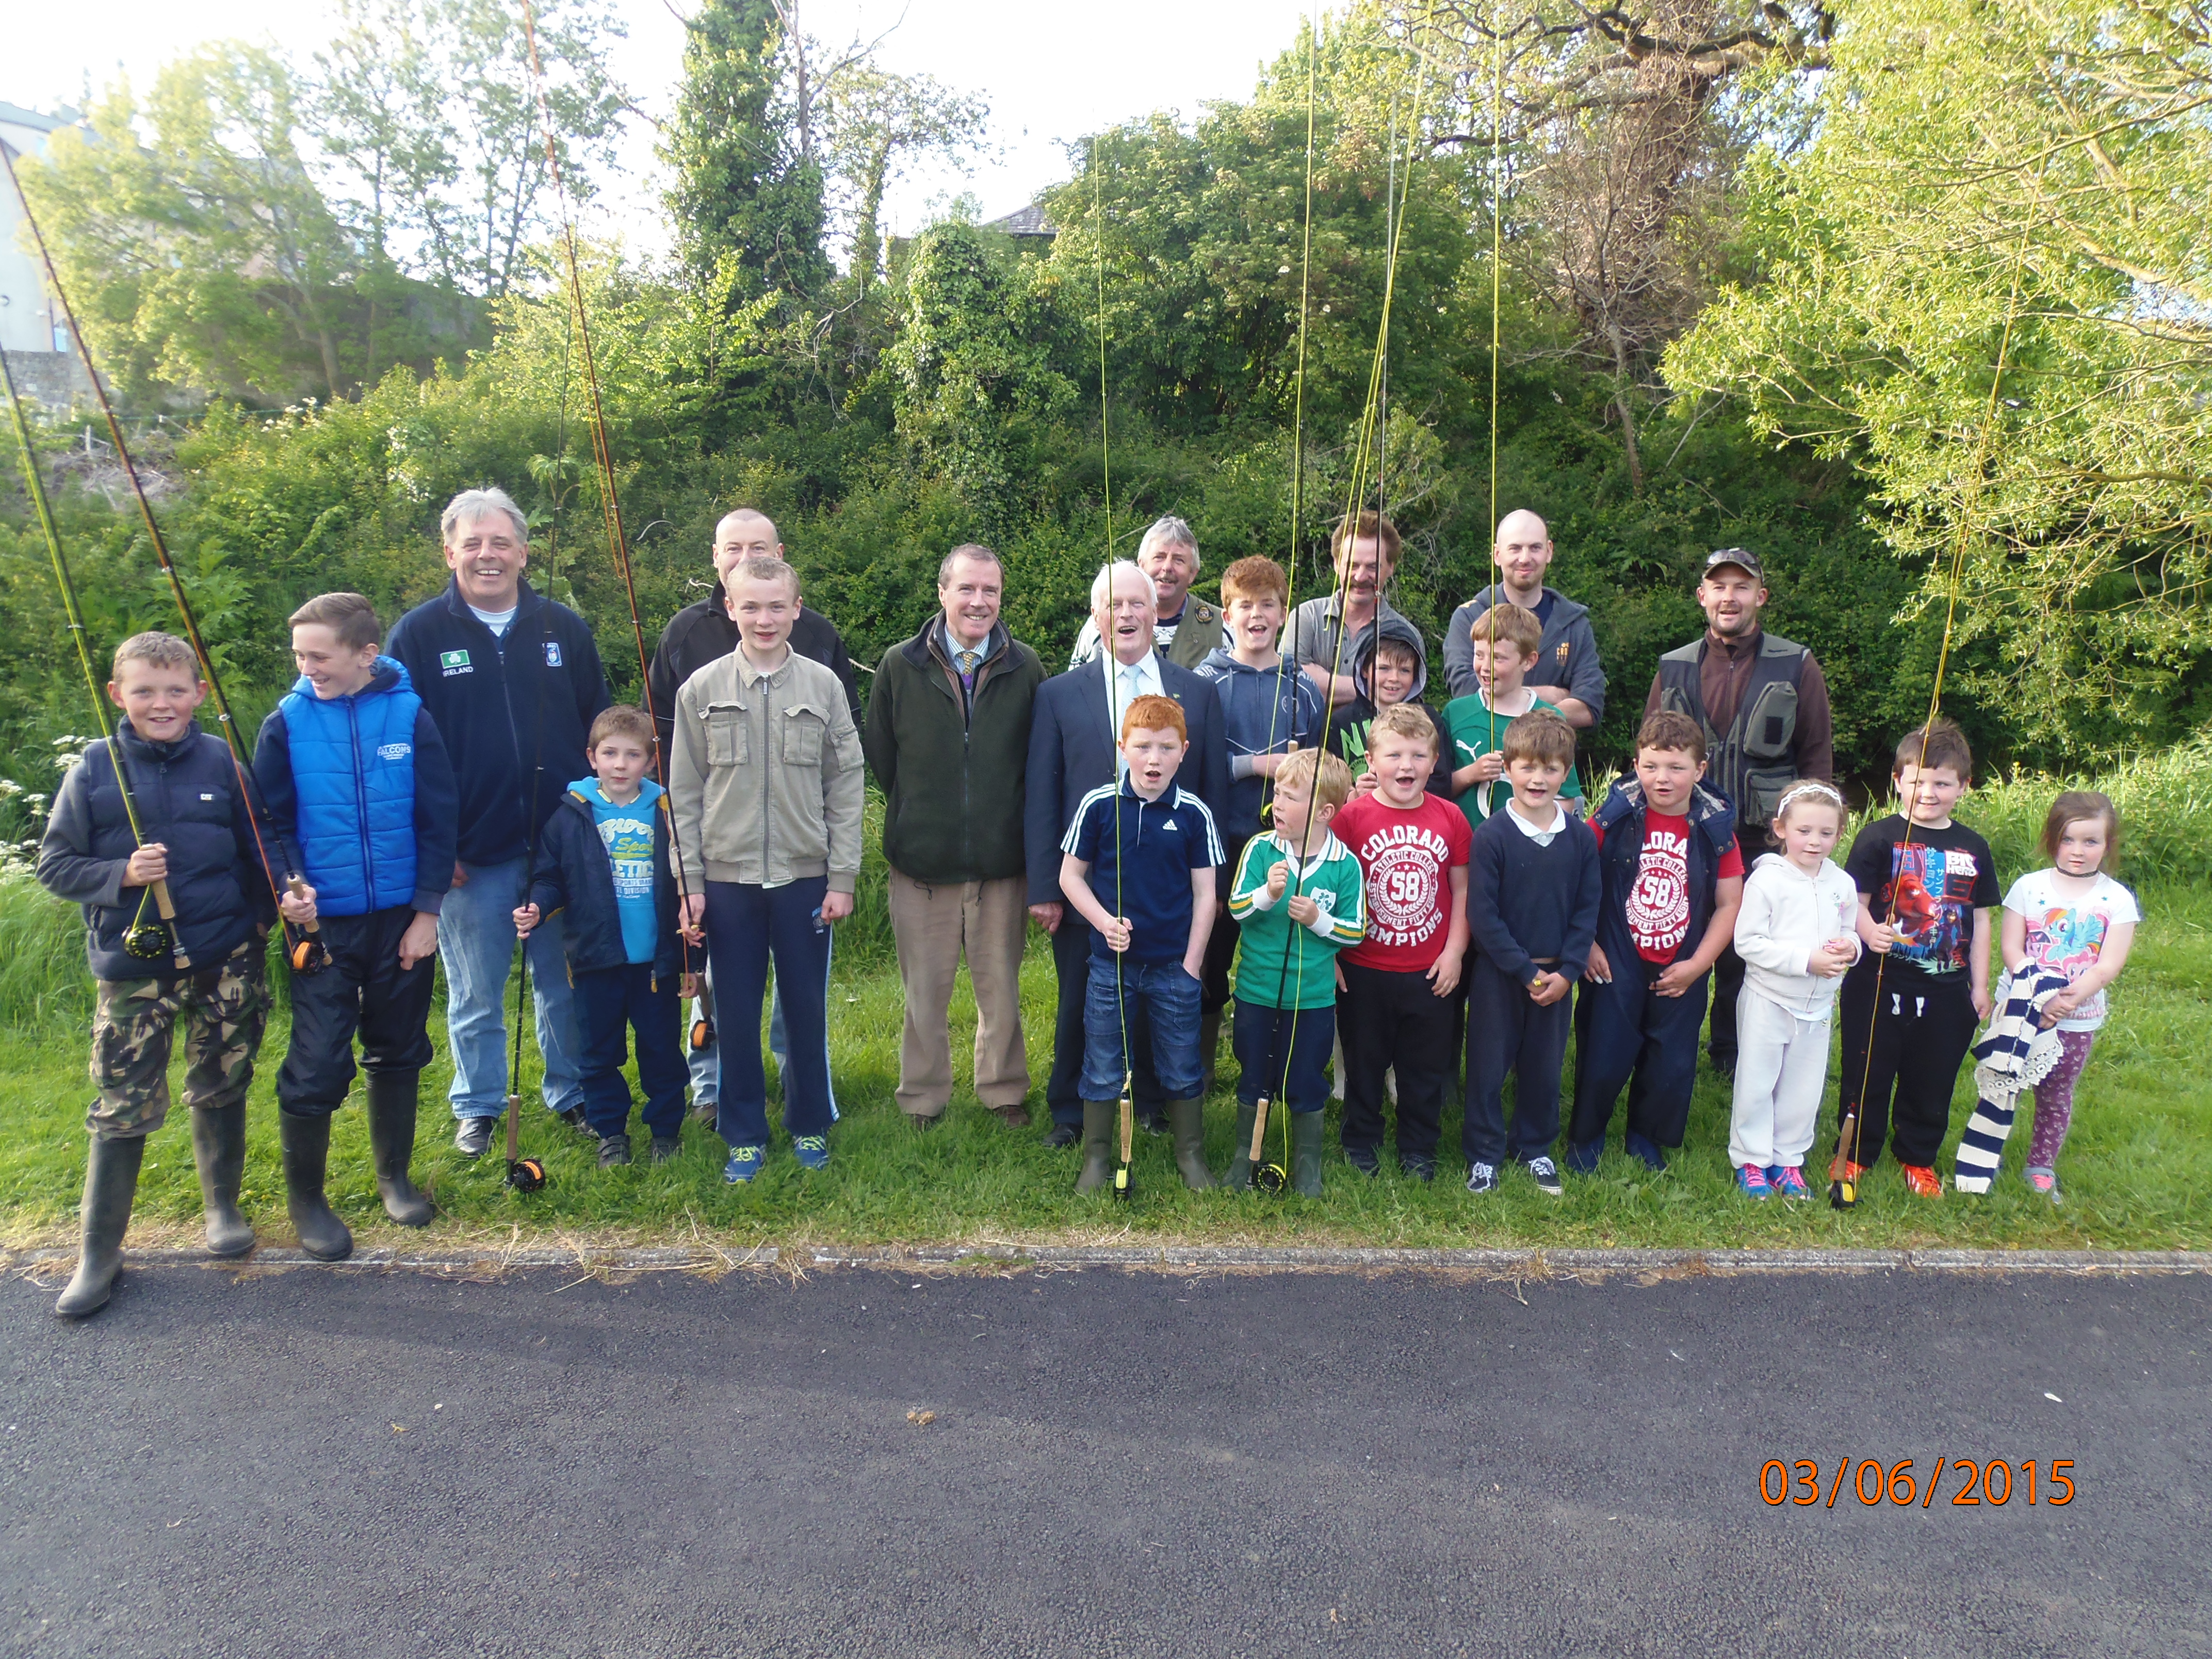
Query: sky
column 1049, row 74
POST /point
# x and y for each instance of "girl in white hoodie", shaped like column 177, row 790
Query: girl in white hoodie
column 1795, row 936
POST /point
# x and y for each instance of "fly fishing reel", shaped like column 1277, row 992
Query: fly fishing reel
column 147, row 941
column 702, row 1034
column 526, row 1175
column 1269, row 1178
column 306, row 954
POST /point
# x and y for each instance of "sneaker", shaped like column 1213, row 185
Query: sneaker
column 472, row 1136
column 614, row 1150
column 812, row 1151
column 2045, row 1180
column 1420, row 1169
column 1652, row 1159
column 574, row 1118
column 1482, row 1178
column 1583, row 1155
column 1363, row 1159
column 666, row 1148
column 1751, row 1181
column 1061, row 1136
column 744, row 1163
column 1788, row 1180
column 706, row 1112
column 1924, row 1181
column 1546, row 1175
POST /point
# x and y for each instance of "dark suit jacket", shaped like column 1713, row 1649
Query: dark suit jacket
column 1072, row 752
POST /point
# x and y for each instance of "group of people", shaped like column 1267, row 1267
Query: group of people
column 1237, row 813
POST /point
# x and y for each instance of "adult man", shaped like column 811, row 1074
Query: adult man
column 1763, row 702
column 512, row 682
column 701, row 634
column 1184, row 629
column 1364, row 548
column 1075, row 736
column 1568, row 674
column 948, row 738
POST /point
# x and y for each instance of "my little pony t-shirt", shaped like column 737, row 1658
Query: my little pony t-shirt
column 2065, row 936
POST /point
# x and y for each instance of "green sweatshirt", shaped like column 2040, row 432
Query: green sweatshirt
column 1331, row 878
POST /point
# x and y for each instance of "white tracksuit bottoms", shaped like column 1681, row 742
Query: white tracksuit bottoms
column 1781, row 1069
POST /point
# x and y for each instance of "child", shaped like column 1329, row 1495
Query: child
column 766, row 788
column 2075, row 921
column 1932, row 883
column 604, row 859
column 160, row 802
column 1397, row 1010
column 1285, row 968
column 1506, row 641
column 1797, row 934
column 1390, row 665
column 1673, row 875
column 1531, row 900
column 1268, row 709
column 1150, row 849
column 358, row 787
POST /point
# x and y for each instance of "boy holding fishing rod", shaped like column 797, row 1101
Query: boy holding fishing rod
column 152, row 834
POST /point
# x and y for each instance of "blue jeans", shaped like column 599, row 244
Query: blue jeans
column 476, row 943
column 747, row 927
column 1170, row 999
column 611, row 1003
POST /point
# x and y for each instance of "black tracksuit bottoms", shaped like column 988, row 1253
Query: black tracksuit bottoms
column 366, row 990
column 1385, row 1019
column 1916, row 1034
column 1625, row 1036
column 1507, row 1033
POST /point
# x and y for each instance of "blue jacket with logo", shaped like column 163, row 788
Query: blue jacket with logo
column 360, row 790
column 515, row 711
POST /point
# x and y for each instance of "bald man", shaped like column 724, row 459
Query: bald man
column 1568, row 674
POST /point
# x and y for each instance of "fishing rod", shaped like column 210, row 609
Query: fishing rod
column 305, row 953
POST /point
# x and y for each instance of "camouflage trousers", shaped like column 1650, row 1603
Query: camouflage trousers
column 224, row 1010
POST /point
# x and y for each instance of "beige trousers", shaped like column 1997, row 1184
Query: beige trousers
column 987, row 919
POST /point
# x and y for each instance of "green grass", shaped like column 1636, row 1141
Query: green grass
column 2136, row 1171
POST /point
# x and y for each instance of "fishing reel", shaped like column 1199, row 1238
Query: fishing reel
column 1843, row 1185
column 526, row 1175
column 147, row 941
column 702, row 1034
column 1123, row 1191
column 306, row 954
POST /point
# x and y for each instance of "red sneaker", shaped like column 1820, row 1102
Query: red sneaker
column 1924, row 1181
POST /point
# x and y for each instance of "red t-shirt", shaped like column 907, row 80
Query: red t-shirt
column 1409, row 857
column 1659, row 901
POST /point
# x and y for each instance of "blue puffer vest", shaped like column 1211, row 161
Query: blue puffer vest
column 353, row 766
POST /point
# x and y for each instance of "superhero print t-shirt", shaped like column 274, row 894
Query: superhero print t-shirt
column 1927, row 886
column 1659, row 899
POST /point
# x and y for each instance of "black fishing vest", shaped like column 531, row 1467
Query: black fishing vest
column 1756, row 758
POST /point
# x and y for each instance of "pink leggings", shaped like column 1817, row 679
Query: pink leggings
column 2054, row 1099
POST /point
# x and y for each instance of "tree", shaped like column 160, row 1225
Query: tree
column 876, row 125
column 1985, row 282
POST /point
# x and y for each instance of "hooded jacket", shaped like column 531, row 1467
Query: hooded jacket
column 1567, row 654
column 1348, row 728
column 515, row 709
column 575, row 876
column 188, row 797
column 1263, row 710
column 952, row 761
column 1786, row 916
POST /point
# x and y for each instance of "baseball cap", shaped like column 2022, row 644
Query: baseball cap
column 1742, row 557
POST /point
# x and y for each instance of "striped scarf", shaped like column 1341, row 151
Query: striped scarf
column 2015, row 1054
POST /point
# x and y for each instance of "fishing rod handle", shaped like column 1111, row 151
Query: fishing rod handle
column 297, row 888
column 1259, row 1127
column 161, row 900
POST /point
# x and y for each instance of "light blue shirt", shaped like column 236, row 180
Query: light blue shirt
column 1125, row 683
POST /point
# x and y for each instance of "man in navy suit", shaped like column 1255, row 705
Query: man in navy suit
column 1072, row 750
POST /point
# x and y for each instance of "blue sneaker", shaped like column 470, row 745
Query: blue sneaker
column 1751, row 1181
column 744, row 1163
column 812, row 1151
column 1787, row 1180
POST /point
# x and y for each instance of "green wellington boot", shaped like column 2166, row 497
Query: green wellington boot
column 1239, row 1176
column 1098, row 1122
column 1187, row 1118
column 391, row 1097
column 218, row 1149
column 1306, row 1154
column 306, row 1141
column 111, row 1182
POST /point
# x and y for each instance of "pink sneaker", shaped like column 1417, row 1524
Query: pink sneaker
column 1788, row 1180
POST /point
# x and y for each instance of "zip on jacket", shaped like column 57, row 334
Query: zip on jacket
column 1786, row 916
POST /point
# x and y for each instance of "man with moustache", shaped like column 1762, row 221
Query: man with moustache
column 1763, row 703
column 947, row 737
column 1324, row 636
column 1568, row 674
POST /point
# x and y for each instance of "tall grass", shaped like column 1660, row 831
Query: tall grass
column 43, row 984
column 2164, row 802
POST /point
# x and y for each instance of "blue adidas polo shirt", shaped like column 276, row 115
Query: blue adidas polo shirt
column 1153, row 845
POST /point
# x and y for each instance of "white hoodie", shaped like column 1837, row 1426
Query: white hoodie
column 1786, row 916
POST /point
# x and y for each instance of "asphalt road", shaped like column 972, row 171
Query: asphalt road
column 380, row 1464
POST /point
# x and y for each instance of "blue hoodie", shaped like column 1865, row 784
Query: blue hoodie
column 1263, row 712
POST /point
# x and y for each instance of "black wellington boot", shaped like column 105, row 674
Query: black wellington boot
column 1188, row 1118
column 1098, row 1125
column 306, row 1141
column 218, row 1149
column 1239, row 1176
column 111, row 1182
column 392, row 1097
column 1306, row 1154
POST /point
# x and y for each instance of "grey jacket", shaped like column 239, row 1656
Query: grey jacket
column 1568, row 655
column 766, row 781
